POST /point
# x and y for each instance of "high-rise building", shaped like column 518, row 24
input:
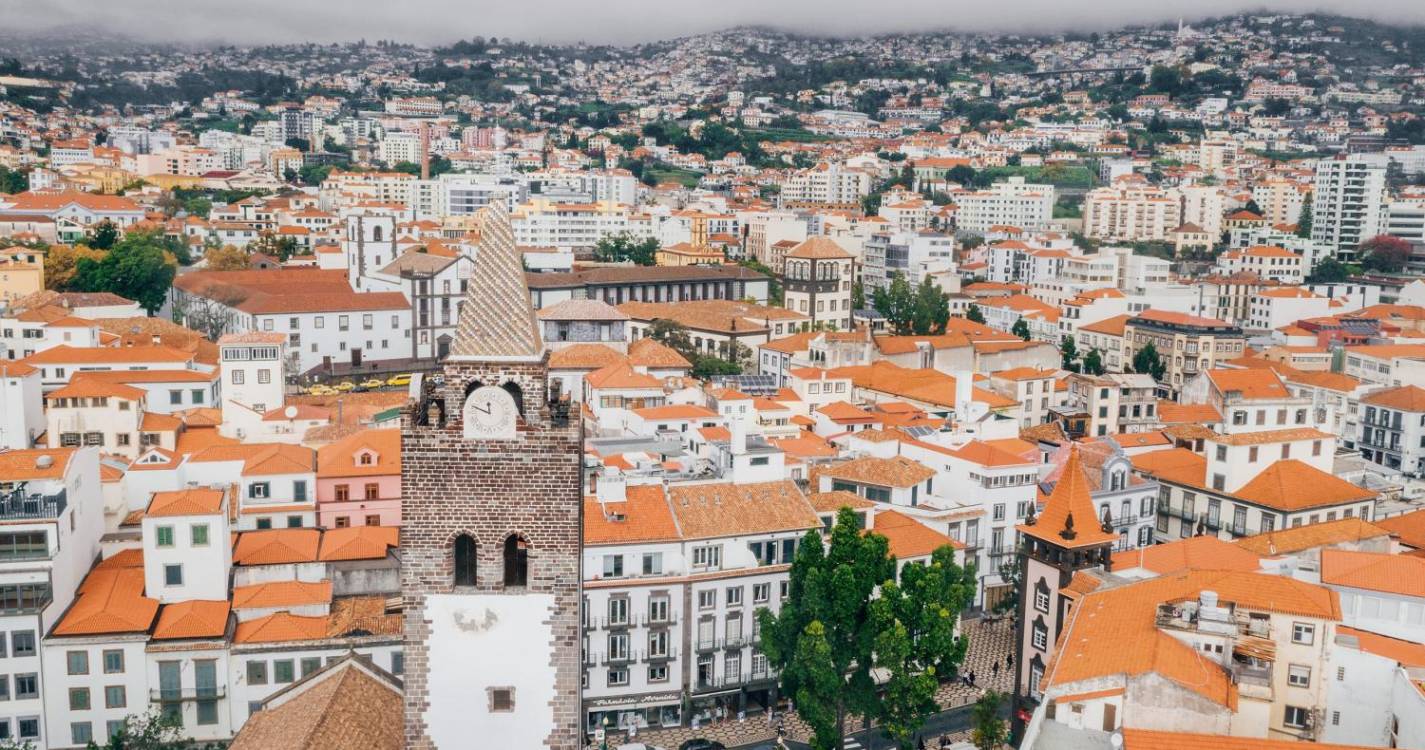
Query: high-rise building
column 1349, row 203
column 491, row 530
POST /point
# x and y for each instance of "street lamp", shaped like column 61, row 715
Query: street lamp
column 605, row 744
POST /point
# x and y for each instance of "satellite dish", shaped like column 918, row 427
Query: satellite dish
column 290, row 412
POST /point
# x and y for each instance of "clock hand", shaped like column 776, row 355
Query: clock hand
column 475, row 406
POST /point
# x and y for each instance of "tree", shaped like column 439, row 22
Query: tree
column 858, row 296
column 1069, row 354
column 1021, row 329
column 61, row 263
column 147, row 731
column 226, row 258
column 624, row 247
column 1384, row 254
column 774, row 287
column 1329, row 271
column 989, row 732
column 104, row 236
column 1148, row 361
column 1304, row 219
column 13, row 181
column 930, row 310
column 972, row 313
column 834, row 629
column 1093, row 362
column 136, row 268
column 897, row 303
column 672, row 334
column 962, row 174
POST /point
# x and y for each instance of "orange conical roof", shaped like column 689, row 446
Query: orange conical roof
column 1068, row 518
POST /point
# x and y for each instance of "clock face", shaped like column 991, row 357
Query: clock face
column 489, row 414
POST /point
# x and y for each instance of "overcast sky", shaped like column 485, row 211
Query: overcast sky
column 620, row 21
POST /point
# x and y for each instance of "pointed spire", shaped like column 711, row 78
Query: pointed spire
column 497, row 322
column 1071, row 497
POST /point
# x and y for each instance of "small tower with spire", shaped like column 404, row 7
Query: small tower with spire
column 1061, row 540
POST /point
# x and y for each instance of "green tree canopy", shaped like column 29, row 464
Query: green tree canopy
column 1069, row 354
column 625, row 247
column 136, row 268
column 1329, row 271
column 973, row 313
column 835, row 627
column 1021, row 329
column 1148, row 361
column 988, row 728
column 104, row 236
column 930, row 311
column 1093, row 362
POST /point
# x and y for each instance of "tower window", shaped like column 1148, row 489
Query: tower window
column 516, row 561
column 464, row 560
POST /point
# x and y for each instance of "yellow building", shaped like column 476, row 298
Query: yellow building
column 695, row 253
column 22, row 273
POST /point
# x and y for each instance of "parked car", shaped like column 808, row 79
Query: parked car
column 699, row 743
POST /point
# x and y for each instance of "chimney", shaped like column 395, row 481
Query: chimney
column 738, row 428
column 964, row 392
column 612, row 486
column 425, row 150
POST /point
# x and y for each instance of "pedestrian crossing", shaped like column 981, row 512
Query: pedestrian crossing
column 852, row 744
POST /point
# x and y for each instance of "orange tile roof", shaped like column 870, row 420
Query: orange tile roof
column 644, row 516
column 1374, row 571
column 1193, row 553
column 899, row 471
column 1293, row 485
column 192, row 619
column 262, row 458
column 1405, row 398
column 1251, row 384
column 992, row 453
column 584, row 357
column 188, row 502
column 282, row 594
column 675, row 411
column 1409, row 528
column 1174, row 413
column 707, row 511
column 835, row 500
column 1068, row 519
column 111, row 600
column 277, row 546
column 1108, row 326
column 1261, row 437
column 841, row 411
column 621, row 375
column 908, row 537
column 1407, row 653
column 647, row 352
column 281, row 627
column 340, row 459
column 1310, row 536
column 25, row 464
column 80, row 387
column 358, row 543
column 1113, row 631
column 65, row 354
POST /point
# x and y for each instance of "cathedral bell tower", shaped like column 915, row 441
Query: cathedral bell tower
column 491, row 529
column 1065, row 538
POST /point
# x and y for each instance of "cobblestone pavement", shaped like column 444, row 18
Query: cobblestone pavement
column 991, row 640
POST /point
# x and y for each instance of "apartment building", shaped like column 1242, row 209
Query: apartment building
column 1110, row 404
column 1013, row 202
column 673, row 581
column 53, row 512
column 1130, row 212
column 826, row 186
column 1186, row 344
column 1349, row 201
column 1392, row 428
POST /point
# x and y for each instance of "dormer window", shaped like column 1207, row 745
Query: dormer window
column 365, row 459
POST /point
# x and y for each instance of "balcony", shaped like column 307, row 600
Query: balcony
column 20, row 506
column 1253, row 680
column 180, row 695
column 622, row 658
column 704, row 646
column 668, row 654
column 728, row 681
column 648, row 621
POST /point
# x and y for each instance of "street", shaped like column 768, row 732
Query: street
column 950, row 721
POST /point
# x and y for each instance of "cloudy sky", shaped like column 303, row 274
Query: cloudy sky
column 620, row 21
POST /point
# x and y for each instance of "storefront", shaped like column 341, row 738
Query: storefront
column 641, row 711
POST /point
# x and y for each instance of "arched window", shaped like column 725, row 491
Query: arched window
column 517, row 394
column 516, row 561
column 464, row 553
column 1118, row 479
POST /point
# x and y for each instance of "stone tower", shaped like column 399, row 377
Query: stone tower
column 491, row 529
column 1065, row 538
